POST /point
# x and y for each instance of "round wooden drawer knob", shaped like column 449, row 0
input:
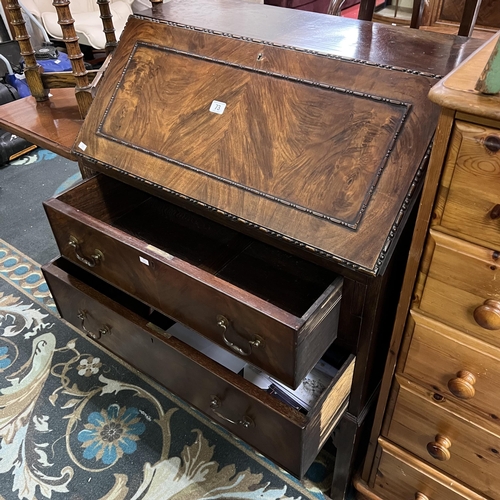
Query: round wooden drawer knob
column 487, row 315
column 421, row 496
column 492, row 143
column 495, row 212
column 463, row 386
column 438, row 449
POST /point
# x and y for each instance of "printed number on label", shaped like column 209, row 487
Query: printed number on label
column 218, row 107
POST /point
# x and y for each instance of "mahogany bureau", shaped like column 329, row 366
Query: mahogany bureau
column 440, row 437
column 251, row 172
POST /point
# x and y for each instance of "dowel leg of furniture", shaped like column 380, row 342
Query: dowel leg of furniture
column 437, row 433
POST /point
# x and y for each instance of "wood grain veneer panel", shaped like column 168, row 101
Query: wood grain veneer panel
column 333, row 171
column 271, row 129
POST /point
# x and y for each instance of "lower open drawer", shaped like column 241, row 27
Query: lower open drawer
column 140, row 336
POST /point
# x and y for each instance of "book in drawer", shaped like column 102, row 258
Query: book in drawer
column 140, row 336
column 276, row 310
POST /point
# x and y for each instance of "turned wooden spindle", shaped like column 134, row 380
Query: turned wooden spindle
column 32, row 69
column 107, row 25
column 463, row 385
column 438, row 449
column 82, row 88
column 487, row 315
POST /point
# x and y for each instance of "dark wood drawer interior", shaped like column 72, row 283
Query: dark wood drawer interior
column 140, row 335
column 252, row 298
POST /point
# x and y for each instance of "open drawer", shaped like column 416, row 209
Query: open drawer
column 274, row 309
column 136, row 333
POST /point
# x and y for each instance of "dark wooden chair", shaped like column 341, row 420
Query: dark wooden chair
column 469, row 16
column 40, row 83
column 83, row 81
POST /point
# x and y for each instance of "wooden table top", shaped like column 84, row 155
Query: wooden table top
column 383, row 44
column 51, row 124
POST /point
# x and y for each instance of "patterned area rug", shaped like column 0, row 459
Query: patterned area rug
column 77, row 423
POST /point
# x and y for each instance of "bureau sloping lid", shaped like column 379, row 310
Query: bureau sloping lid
column 317, row 150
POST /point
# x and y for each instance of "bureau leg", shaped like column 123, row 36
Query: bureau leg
column 350, row 438
column 344, row 439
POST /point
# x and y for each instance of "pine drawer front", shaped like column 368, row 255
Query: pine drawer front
column 462, row 288
column 462, row 445
column 472, row 176
column 401, row 476
column 453, row 364
column 276, row 310
column 285, row 435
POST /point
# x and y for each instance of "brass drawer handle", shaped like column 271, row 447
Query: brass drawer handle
column 420, row 496
column 487, row 315
column 105, row 330
column 246, row 421
column 463, row 386
column 438, row 449
column 91, row 261
column 223, row 322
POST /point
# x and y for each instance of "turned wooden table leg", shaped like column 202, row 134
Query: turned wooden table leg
column 82, row 88
column 32, row 69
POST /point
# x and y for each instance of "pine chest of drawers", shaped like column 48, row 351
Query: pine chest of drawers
column 441, row 428
column 254, row 183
